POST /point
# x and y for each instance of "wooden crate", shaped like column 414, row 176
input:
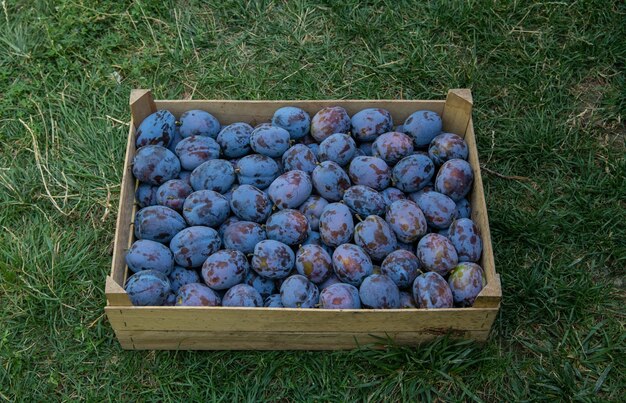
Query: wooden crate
column 223, row 328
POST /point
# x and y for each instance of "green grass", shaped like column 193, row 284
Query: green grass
column 550, row 99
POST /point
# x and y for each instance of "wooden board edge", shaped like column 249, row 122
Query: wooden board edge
column 115, row 294
column 457, row 111
column 141, row 104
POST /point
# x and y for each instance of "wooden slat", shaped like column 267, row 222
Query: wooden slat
column 255, row 112
column 141, row 105
column 164, row 340
column 297, row 320
column 457, row 111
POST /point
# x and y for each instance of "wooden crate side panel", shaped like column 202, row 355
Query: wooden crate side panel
column 185, row 340
column 222, row 319
column 255, row 112
column 457, row 111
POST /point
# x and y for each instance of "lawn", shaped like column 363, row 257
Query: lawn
column 549, row 89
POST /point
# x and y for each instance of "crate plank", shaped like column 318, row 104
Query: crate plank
column 184, row 340
column 457, row 111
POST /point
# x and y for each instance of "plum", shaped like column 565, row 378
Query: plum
column 406, row 220
column 217, row 175
column 439, row 210
column 199, row 123
column 402, row 267
column 225, row 268
column 376, row 237
column 336, row 224
column 273, row 301
column 436, row 253
column 234, row 140
column 406, row 300
column 370, row 123
column 185, row 176
column 352, row 264
column 370, row 171
column 290, row 189
column 148, row 287
column 463, row 209
column 295, row 120
column 466, row 282
column 156, row 129
column 312, row 209
column 364, row 201
column 313, row 262
column 391, row 195
column 170, row 300
column 243, row 236
column 455, row 179
column 413, row 173
column 149, row 255
column 146, row 195
column 270, row 141
column 340, row 296
column 176, row 138
column 193, row 245
column 158, row 223
column 288, row 226
column 206, row 207
column 315, row 149
column 430, row 290
column 299, row 157
column 155, row 165
column 332, row 279
column 196, row 294
column 242, row 295
column 265, row 286
column 181, row 276
column 338, row 147
column 366, row 149
column 423, row 126
column 230, row 220
column 194, row 150
column 330, row 180
column 464, row 235
column 173, row 193
column 329, row 120
column 379, row 292
column 272, row 259
column 257, row 170
column 447, row 146
column 391, row 147
column 298, row 292
column 249, row 203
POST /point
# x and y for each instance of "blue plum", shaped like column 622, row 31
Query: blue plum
column 225, row 268
column 272, row 259
column 370, row 171
column 243, row 236
column 315, row 149
column 332, row 279
column 466, row 282
column 265, row 286
column 149, row 255
column 407, row 301
column 155, row 165
column 299, row 157
column 376, row 237
column 329, row 120
column 413, row 173
column 379, row 292
column 364, row 201
column 298, row 292
column 273, row 301
column 287, row 226
column 366, row 149
column 185, row 176
column 371, row 123
column 423, row 126
column 438, row 209
column 391, row 195
column 270, row 141
column 230, row 220
column 455, row 179
column 147, row 288
column 199, row 123
column 242, row 295
column 313, row 262
column 158, row 223
column 181, row 276
column 465, row 237
column 402, row 267
column 447, row 146
column 250, row 204
column 257, row 170
column 156, row 129
column 234, row 140
column 146, row 195
column 391, row 147
column 196, row 294
column 295, row 120
column 330, row 180
column 312, row 209
column 336, row 224
column 406, row 220
column 340, row 296
column 177, row 138
column 193, row 245
column 170, row 300
column 290, row 189
column 206, row 207
column 217, row 175
column 463, row 208
column 436, row 253
column 352, row 264
column 338, row 147
column 194, row 150
column 430, row 290
column 173, row 193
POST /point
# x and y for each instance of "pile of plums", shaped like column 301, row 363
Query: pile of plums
column 326, row 212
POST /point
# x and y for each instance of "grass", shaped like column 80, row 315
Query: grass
column 549, row 90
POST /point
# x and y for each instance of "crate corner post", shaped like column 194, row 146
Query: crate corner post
column 457, row 111
column 142, row 105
